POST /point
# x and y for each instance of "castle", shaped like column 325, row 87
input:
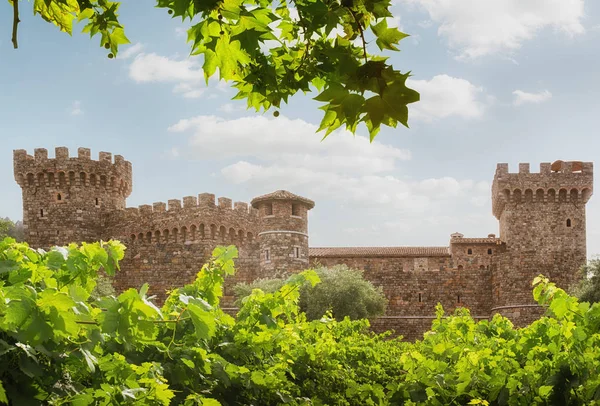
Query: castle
column 541, row 220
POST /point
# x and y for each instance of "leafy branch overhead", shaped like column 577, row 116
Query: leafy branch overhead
column 271, row 50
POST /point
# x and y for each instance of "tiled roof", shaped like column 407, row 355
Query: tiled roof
column 475, row 240
column 283, row 195
column 379, row 252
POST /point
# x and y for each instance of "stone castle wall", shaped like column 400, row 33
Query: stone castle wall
column 541, row 221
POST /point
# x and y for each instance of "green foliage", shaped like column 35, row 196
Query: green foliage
column 100, row 15
column 588, row 288
column 8, row 228
column 342, row 291
column 61, row 346
column 272, row 50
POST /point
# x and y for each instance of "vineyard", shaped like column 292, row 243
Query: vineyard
column 60, row 346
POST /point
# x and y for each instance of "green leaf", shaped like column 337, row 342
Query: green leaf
column 544, row 391
column 387, row 38
column 3, row 397
column 203, row 321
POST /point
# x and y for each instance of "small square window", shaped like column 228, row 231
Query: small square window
column 489, row 251
column 469, row 251
column 295, row 209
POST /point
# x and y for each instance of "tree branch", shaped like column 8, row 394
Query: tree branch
column 362, row 33
column 16, row 22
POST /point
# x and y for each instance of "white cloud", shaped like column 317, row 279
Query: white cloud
column 445, row 96
column 186, row 74
column 522, row 97
column 155, row 68
column 231, row 108
column 476, row 28
column 76, row 109
column 266, row 154
column 130, row 51
column 293, row 142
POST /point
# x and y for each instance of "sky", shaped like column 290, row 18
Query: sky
column 500, row 81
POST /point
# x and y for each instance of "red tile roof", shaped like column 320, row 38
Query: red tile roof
column 283, row 195
column 349, row 252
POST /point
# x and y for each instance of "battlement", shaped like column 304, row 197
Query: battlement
column 191, row 204
column 189, row 220
column 560, row 181
column 40, row 170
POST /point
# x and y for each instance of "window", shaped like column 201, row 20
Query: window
column 267, row 255
column 296, row 252
column 568, row 222
column 97, row 201
column 42, row 213
column 469, row 251
column 489, row 251
column 420, row 298
column 295, row 209
column 460, row 267
column 268, row 209
column 458, row 298
column 58, row 197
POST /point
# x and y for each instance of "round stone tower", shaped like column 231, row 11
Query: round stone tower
column 68, row 199
column 542, row 229
column 283, row 232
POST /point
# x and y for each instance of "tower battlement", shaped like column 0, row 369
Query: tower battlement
column 561, row 181
column 39, row 170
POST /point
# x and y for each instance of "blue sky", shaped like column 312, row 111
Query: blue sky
column 501, row 81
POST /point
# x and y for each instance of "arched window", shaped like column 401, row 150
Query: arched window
column 102, row 180
column 249, row 237
column 175, row 232
column 166, row 236
column 482, row 267
column 213, row 231
column 41, row 180
column 30, row 179
column 51, row 180
column 202, row 231
column 93, row 179
column 62, row 180
column 470, row 251
column 149, row 236
column 460, row 267
column 82, row 178
column 132, row 237
column 193, row 232
column 568, row 222
column 141, row 237
column 157, row 236
column 231, row 234
column 183, row 234
column 58, row 197
column 222, row 233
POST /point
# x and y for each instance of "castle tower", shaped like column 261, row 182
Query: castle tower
column 283, row 232
column 67, row 199
column 542, row 229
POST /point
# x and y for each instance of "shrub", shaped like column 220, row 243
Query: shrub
column 342, row 291
column 588, row 288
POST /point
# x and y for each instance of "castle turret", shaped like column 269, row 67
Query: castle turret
column 542, row 230
column 283, row 232
column 66, row 199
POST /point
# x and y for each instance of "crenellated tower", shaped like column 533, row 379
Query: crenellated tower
column 283, row 232
column 542, row 229
column 67, row 199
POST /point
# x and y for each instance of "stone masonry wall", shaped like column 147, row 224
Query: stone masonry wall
column 542, row 222
column 167, row 246
column 66, row 198
column 415, row 285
